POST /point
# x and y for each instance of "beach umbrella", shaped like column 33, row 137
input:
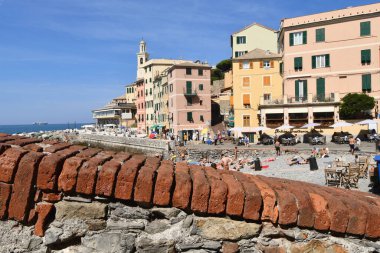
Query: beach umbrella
column 261, row 128
column 341, row 124
column 310, row 125
column 366, row 122
column 236, row 129
column 284, row 127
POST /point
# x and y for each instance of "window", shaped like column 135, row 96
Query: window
column 201, row 118
column 246, row 101
column 246, row 121
column 320, row 61
column 320, row 89
column 301, row 90
column 366, row 83
column 266, row 80
column 365, row 28
column 240, row 53
column 189, row 116
column 188, row 71
column 281, row 68
column 297, row 63
column 201, row 87
column 320, row 35
column 240, row 40
column 246, row 81
column 200, row 102
column 150, row 80
column 366, row 56
column 298, row 38
column 267, row 64
column 150, row 68
column 150, row 91
column 246, row 65
column 267, row 96
column 171, row 88
column 189, row 87
column 200, row 72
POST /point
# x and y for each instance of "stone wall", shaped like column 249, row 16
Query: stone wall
column 129, row 144
column 79, row 199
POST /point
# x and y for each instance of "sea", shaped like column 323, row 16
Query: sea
column 17, row 129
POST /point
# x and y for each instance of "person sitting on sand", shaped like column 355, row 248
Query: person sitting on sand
column 297, row 160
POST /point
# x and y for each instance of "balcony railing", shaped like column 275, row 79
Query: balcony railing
column 274, row 101
column 189, row 92
column 333, row 97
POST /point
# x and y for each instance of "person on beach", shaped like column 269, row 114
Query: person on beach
column 277, row 147
column 184, row 139
column 352, row 142
column 226, row 161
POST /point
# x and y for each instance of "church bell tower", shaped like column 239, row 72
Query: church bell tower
column 142, row 57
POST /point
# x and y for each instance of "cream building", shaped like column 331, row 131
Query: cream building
column 130, row 93
column 252, row 37
column 160, row 98
column 256, row 75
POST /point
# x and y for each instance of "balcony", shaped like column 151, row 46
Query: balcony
column 309, row 99
column 189, row 92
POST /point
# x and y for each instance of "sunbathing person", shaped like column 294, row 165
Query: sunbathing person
column 297, row 160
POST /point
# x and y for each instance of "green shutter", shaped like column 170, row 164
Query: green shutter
column 321, row 88
column 281, row 68
column 298, row 63
column 297, row 87
column 366, row 82
column 365, row 28
column 236, row 54
column 313, row 62
column 304, row 37
column 327, row 60
column 304, row 89
column 320, row 35
column 188, row 87
column 201, row 87
column 366, row 56
column 201, row 118
column 189, row 116
column 291, row 39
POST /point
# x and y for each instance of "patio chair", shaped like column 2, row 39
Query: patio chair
column 363, row 166
column 351, row 177
column 333, row 177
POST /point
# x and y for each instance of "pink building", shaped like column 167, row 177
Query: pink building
column 140, row 105
column 326, row 56
column 332, row 52
column 189, row 98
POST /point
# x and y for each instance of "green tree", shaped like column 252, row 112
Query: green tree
column 356, row 106
column 224, row 65
column 216, row 74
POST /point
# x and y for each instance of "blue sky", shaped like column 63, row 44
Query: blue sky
column 61, row 58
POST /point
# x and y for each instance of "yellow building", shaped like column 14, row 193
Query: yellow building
column 255, row 75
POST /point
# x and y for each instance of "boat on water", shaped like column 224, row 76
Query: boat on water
column 40, row 123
